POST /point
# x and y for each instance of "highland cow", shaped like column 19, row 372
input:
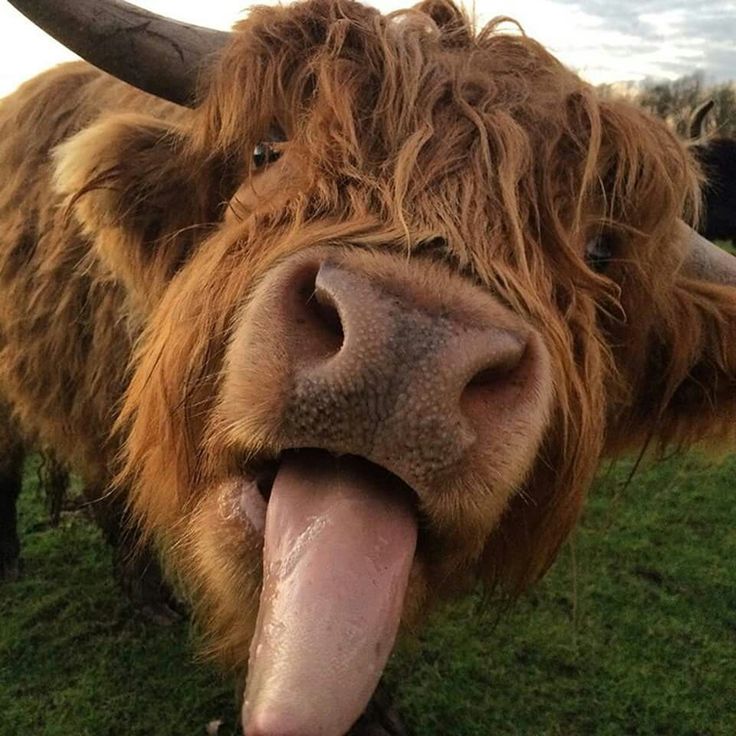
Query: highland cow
column 717, row 158
column 348, row 320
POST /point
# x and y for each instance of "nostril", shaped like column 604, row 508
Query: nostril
column 325, row 312
column 319, row 326
column 501, row 364
column 488, row 377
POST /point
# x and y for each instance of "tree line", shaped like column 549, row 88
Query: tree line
column 675, row 100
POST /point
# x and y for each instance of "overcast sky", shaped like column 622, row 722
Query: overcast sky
column 604, row 40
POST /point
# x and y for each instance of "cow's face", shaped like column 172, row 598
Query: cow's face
column 443, row 278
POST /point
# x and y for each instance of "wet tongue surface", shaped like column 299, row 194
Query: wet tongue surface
column 339, row 543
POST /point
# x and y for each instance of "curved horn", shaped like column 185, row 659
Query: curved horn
column 707, row 261
column 699, row 114
column 158, row 55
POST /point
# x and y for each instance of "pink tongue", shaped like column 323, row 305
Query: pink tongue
column 339, row 544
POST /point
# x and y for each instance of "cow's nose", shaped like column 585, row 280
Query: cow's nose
column 348, row 318
column 404, row 379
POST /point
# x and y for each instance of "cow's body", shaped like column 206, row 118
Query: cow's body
column 66, row 330
column 229, row 325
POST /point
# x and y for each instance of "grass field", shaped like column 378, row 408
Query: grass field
column 633, row 632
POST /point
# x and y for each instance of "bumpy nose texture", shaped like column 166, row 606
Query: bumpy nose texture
column 379, row 375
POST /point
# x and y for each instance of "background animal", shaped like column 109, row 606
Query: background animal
column 361, row 314
column 717, row 157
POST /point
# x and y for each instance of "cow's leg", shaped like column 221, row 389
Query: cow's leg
column 135, row 564
column 54, row 479
column 11, row 479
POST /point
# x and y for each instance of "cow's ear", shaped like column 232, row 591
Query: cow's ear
column 140, row 196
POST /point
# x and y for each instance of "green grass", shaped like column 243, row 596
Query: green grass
column 633, row 632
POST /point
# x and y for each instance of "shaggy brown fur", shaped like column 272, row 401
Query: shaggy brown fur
column 127, row 262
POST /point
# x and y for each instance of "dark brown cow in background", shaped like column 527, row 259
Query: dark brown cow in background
column 359, row 316
column 717, row 157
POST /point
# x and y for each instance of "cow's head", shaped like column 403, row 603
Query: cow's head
column 401, row 286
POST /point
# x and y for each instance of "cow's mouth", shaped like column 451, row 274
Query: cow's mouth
column 259, row 474
column 339, row 541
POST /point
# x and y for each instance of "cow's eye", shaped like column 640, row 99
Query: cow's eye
column 599, row 251
column 265, row 153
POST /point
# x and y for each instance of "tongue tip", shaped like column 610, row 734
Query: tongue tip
column 271, row 723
